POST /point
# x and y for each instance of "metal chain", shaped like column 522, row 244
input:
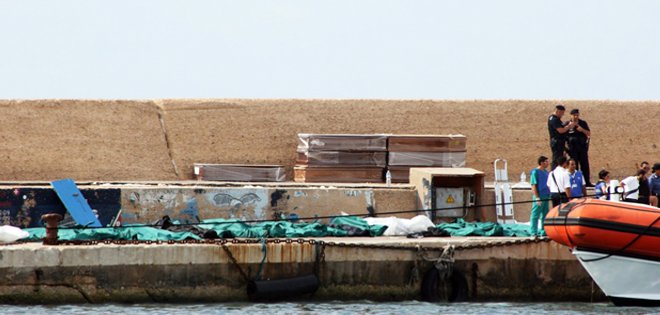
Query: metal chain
column 415, row 247
column 320, row 257
column 233, row 260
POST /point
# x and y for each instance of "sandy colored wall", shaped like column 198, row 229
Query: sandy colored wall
column 83, row 140
column 264, row 131
column 124, row 140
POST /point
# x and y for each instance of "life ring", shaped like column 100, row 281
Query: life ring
column 452, row 289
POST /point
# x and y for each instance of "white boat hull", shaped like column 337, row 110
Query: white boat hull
column 625, row 280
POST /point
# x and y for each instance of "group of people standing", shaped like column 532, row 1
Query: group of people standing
column 638, row 188
column 563, row 182
column 569, row 176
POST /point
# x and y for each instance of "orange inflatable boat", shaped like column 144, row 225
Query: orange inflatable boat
column 606, row 226
column 618, row 243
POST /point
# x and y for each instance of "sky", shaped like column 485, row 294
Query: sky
column 339, row 49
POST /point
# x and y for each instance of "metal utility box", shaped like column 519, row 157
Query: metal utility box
column 451, row 199
column 447, row 192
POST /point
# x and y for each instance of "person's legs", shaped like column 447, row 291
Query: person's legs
column 555, row 199
column 573, row 153
column 534, row 217
column 583, row 159
column 557, row 152
column 544, row 212
column 557, row 148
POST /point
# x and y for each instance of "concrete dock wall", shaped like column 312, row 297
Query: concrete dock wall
column 144, row 204
column 187, row 202
column 261, row 203
column 350, row 268
column 23, row 206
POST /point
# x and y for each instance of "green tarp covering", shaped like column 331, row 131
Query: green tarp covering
column 462, row 228
column 338, row 226
column 141, row 233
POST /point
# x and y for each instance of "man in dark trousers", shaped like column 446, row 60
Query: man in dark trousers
column 578, row 144
column 558, row 131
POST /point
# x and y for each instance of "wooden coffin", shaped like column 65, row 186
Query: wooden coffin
column 427, row 143
column 342, row 158
column 341, row 142
column 309, row 174
column 437, row 159
column 239, row 172
column 400, row 174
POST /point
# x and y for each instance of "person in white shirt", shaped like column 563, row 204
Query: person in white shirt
column 559, row 182
column 630, row 186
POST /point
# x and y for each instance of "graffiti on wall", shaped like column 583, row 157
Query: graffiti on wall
column 191, row 206
column 150, row 205
column 279, row 205
column 23, row 207
column 243, row 204
column 247, row 204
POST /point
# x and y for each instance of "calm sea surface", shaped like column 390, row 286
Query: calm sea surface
column 327, row 308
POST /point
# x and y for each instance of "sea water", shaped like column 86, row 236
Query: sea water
column 331, row 308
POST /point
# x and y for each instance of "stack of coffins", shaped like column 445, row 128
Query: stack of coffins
column 406, row 151
column 340, row 158
column 240, row 172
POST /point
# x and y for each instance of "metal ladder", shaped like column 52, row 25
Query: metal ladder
column 503, row 194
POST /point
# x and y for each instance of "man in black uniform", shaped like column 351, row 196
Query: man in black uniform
column 558, row 132
column 578, row 144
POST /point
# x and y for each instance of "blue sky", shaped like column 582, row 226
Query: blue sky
column 470, row 49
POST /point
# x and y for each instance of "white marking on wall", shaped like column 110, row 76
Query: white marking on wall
column 239, row 201
column 369, row 196
column 352, row 193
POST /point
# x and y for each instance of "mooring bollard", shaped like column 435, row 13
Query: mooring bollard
column 51, row 219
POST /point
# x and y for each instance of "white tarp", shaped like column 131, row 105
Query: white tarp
column 397, row 226
column 10, row 234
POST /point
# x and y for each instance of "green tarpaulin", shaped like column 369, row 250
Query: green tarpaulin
column 462, row 228
column 338, row 226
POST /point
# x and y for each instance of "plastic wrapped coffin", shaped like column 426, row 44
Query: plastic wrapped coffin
column 240, row 172
column 342, row 158
column 427, row 143
column 341, row 142
column 338, row 174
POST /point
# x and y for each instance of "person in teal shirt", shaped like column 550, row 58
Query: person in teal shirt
column 540, row 196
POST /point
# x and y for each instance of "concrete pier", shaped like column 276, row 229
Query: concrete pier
column 382, row 268
column 349, row 268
